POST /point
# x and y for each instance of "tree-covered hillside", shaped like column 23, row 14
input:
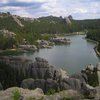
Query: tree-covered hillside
column 33, row 28
column 49, row 24
column 94, row 35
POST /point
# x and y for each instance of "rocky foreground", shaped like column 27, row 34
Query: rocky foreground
column 40, row 74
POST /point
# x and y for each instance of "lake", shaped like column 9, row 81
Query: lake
column 71, row 57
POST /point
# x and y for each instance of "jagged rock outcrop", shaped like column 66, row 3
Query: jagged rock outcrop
column 17, row 20
column 70, row 17
column 28, row 19
column 40, row 69
column 42, row 75
column 67, row 20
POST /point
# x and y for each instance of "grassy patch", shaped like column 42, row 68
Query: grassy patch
column 16, row 95
column 10, row 52
column 51, row 92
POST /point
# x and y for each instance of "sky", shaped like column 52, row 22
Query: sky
column 79, row 9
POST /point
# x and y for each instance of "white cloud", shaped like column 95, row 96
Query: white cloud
column 4, row 1
column 9, row 8
column 76, row 8
column 80, row 10
column 54, row 8
column 16, row 11
column 22, row 12
column 31, row 1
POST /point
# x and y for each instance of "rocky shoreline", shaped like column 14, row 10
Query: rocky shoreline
column 45, row 76
column 44, row 44
column 96, row 47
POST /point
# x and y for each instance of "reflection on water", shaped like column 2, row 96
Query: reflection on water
column 71, row 58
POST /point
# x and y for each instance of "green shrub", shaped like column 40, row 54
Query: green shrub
column 92, row 78
column 51, row 92
column 16, row 95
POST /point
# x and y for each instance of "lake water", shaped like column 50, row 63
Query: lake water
column 72, row 57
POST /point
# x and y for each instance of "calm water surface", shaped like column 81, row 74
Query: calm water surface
column 72, row 57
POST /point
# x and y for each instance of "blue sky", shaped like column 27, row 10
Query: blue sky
column 79, row 9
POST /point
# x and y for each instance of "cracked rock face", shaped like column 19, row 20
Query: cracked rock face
column 40, row 69
column 42, row 75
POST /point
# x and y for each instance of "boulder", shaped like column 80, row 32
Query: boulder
column 81, row 76
column 90, row 67
column 39, row 83
column 70, row 83
column 51, row 84
column 33, row 84
column 27, row 83
column 25, row 93
column 45, row 85
column 88, row 91
column 1, row 87
column 42, row 70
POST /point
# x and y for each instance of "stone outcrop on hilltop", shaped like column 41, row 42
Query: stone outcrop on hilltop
column 5, row 15
column 17, row 21
column 67, row 20
column 28, row 19
column 70, row 17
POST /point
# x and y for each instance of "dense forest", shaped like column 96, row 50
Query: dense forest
column 94, row 35
column 32, row 30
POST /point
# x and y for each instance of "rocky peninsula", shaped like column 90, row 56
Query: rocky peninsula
column 40, row 74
